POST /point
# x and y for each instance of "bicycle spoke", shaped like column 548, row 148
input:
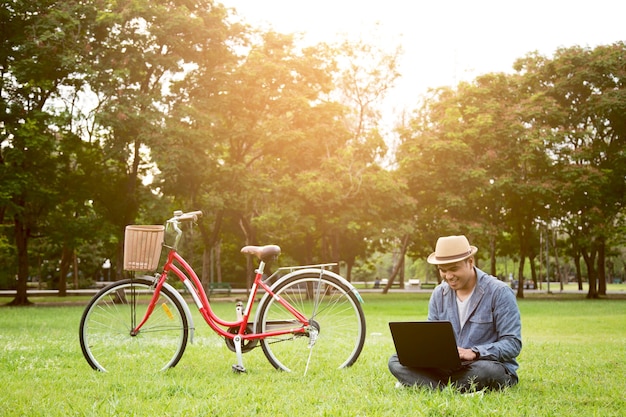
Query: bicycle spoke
column 336, row 325
column 106, row 326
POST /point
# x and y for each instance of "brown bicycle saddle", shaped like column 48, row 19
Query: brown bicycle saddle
column 262, row 252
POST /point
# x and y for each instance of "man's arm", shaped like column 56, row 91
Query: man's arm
column 508, row 326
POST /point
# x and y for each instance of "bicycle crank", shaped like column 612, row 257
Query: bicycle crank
column 246, row 345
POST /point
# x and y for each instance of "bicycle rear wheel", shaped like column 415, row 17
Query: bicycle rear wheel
column 106, row 324
column 336, row 333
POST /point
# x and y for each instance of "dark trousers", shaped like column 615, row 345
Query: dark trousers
column 476, row 375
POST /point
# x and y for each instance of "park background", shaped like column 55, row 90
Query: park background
column 117, row 113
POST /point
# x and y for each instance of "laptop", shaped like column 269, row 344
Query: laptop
column 426, row 344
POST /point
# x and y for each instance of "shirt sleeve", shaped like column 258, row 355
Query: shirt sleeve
column 435, row 305
column 508, row 343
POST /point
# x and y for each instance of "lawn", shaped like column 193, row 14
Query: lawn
column 572, row 364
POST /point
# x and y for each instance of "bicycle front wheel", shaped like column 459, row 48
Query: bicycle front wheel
column 105, row 328
column 336, row 332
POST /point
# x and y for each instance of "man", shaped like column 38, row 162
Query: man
column 485, row 318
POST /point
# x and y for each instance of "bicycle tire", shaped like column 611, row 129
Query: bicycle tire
column 106, row 324
column 332, row 308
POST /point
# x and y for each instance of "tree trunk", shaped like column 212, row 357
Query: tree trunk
column 218, row 261
column 64, row 269
column 579, row 274
column 591, row 271
column 209, row 238
column 119, row 266
column 405, row 245
column 330, row 249
column 207, row 267
column 324, row 246
column 520, row 276
column 308, row 249
column 492, row 253
column 601, row 267
column 525, row 251
column 21, row 242
column 349, row 266
column 533, row 272
column 250, row 239
column 402, row 268
column 398, row 269
column 557, row 264
column 75, row 266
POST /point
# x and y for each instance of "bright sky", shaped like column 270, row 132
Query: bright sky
column 445, row 41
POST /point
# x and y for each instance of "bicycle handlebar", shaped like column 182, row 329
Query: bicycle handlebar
column 180, row 217
column 190, row 216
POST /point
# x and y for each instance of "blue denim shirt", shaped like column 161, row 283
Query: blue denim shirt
column 493, row 325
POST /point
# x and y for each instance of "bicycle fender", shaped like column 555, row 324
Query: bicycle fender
column 308, row 271
column 183, row 303
column 325, row 272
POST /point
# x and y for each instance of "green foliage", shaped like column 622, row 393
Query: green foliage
column 515, row 155
column 119, row 112
column 574, row 89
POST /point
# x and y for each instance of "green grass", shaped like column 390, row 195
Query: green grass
column 572, row 364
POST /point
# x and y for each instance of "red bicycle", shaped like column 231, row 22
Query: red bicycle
column 308, row 317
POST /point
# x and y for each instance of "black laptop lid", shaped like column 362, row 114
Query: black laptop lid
column 425, row 344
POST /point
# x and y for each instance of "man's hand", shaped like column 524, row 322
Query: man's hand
column 467, row 354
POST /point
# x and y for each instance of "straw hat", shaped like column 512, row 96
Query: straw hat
column 451, row 249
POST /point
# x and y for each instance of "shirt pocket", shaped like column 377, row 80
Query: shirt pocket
column 481, row 329
column 482, row 317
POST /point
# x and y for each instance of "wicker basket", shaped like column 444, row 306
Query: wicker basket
column 142, row 247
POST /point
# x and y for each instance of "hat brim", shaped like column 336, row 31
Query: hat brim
column 432, row 258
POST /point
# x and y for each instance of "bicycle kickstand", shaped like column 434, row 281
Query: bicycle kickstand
column 238, row 367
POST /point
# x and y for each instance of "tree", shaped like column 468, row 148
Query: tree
column 38, row 60
column 473, row 166
column 138, row 50
column 239, row 126
column 579, row 95
column 365, row 74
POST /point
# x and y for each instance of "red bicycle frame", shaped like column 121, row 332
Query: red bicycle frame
column 192, row 283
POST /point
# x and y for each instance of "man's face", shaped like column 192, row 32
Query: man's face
column 458, row 275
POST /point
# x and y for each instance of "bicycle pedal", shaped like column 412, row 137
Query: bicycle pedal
column 239, row 369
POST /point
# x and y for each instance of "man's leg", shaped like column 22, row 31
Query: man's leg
column 482, row 374
column 428, row 378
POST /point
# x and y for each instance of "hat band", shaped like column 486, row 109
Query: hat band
column 446, row 258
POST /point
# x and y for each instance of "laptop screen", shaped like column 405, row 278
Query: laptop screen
column 425, row 344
